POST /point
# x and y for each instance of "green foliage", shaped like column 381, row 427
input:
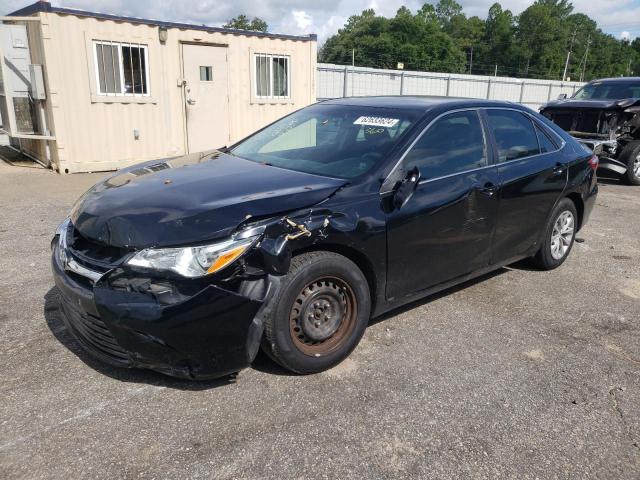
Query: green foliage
column 418, row 41
column 241, row 22
column 441, row 38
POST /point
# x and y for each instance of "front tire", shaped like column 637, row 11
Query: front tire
column 320, row 313
column 630, row 155
column 559, row 236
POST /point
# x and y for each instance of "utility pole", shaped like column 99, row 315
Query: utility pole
column 353, row 68
column 566, row 63
column 629, row 68
column 471, row 60
column 584, row 60
column 495, row 73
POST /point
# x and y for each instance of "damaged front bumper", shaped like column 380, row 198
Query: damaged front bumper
column 198, row 333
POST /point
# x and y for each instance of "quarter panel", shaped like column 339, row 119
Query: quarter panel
column 529, row 188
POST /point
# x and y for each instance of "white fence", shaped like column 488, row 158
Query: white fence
column 335, row 81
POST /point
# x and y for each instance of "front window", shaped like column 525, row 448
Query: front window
column 332, row 140
column 608, row 91
column 271, row 76
column 121, row 68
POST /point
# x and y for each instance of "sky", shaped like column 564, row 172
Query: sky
column 620, row 18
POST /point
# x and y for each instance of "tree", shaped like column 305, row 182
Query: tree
column 241, row 22
column 499, row 38
column 542, row 39
column 440, row 38
column 446, row 10
column 415, row 40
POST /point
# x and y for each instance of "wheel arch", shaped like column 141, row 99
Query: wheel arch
column 357, row 257
column 579, row 203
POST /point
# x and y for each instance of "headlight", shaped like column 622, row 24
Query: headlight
column 61, row 233
column 193, row 261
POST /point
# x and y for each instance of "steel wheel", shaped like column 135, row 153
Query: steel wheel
column 322, row 316
column 562, row 234
column 636, row 166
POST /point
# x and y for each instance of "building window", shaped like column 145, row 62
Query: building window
column 272, row 76
column 206, row 74
column 121, row 68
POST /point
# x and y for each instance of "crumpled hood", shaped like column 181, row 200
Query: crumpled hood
column 191, row 199
column 570, row 103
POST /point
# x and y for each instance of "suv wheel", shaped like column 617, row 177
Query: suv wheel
column 630, row 155
column 320, row 313
column 559, row 236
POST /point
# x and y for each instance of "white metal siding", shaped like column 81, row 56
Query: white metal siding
column 337, row 81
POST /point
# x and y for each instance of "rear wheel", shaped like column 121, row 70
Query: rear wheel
column 559, row 236
column 320, row 313
column 630, row 155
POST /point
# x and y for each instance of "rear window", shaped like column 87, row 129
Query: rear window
column 546, row 144
column 339, row 141
column 454, row 143
column 514, row 134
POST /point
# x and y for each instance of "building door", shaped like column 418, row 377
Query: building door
column 205, row 93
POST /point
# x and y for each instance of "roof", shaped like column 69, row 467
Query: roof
column 617, row 80
column 44, row 6
column 415, row 102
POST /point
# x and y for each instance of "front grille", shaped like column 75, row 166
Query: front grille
column 582, row 121
column 94, row 335
column 93, row 254
column 563, row 120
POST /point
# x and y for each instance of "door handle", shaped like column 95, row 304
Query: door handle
column 489, row 189
column 559, row 169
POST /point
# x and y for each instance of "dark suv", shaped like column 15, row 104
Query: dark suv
column 295, row 237
column 605, row 116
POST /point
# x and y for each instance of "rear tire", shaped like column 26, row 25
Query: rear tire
column 320, row 313
column 559, row 236
column 630, row 155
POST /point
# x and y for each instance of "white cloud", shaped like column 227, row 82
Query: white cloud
column 303, row 20
column 625, row 35
column 327, row 16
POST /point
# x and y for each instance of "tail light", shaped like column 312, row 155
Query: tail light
column 593, row 162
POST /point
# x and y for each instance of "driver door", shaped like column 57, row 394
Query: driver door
column 445, row 228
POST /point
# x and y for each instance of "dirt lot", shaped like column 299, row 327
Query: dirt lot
column 521, row 374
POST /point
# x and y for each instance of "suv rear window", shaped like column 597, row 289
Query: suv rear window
column 514, row 134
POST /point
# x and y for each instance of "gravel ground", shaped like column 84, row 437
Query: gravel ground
column 521, row 374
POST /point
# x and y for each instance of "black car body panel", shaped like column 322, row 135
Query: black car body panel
column 445, row 233
column 211, row 330
column 603, row 125
column 191, row 199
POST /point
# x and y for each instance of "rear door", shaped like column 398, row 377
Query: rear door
column 532, row 174
column 444, row 230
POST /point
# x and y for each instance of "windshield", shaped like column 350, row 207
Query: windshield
column 608, row 91
column 339, row 141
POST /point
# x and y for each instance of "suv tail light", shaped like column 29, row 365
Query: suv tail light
column 593, row 162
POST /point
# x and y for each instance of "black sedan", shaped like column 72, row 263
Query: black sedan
column 295, row 237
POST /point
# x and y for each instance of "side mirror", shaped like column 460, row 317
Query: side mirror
column 405, row 189
column 562, row 96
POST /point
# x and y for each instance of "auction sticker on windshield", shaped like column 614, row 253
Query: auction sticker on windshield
column 376, row 121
